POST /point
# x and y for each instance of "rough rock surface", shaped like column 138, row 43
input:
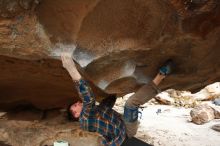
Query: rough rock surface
column 216, row 111
column 29, row 128
column 216, row 127
column 188, row 99
column 202, row 114
column 120, row 45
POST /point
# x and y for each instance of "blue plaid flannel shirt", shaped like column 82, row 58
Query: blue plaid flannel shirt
column 103, row 120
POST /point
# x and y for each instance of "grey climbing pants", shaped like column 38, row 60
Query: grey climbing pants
column 143, row 95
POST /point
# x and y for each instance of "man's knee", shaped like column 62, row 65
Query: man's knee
column 131, row 109
column 131, row 102
column 130, row 114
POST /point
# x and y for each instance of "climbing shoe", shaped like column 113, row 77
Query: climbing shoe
column 167, row 67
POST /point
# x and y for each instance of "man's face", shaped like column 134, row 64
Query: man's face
column 76, row 109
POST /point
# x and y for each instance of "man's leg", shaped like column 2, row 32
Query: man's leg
column 143, row 95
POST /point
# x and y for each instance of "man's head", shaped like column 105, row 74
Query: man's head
column 75, row 109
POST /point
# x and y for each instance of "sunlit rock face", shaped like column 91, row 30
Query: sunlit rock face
column 202, row 114
column 119, row 46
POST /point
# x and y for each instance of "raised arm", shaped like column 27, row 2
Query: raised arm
column 70, row 66
column 82, row 86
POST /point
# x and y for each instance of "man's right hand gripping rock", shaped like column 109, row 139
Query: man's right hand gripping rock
column 69, row 65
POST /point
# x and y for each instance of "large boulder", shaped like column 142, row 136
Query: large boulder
column 120, row 45
column 202, row 114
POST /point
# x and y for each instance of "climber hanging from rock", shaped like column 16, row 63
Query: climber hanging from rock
column 102, row 118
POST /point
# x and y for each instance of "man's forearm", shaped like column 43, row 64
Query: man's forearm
column 74, row 73
column 70, row 66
